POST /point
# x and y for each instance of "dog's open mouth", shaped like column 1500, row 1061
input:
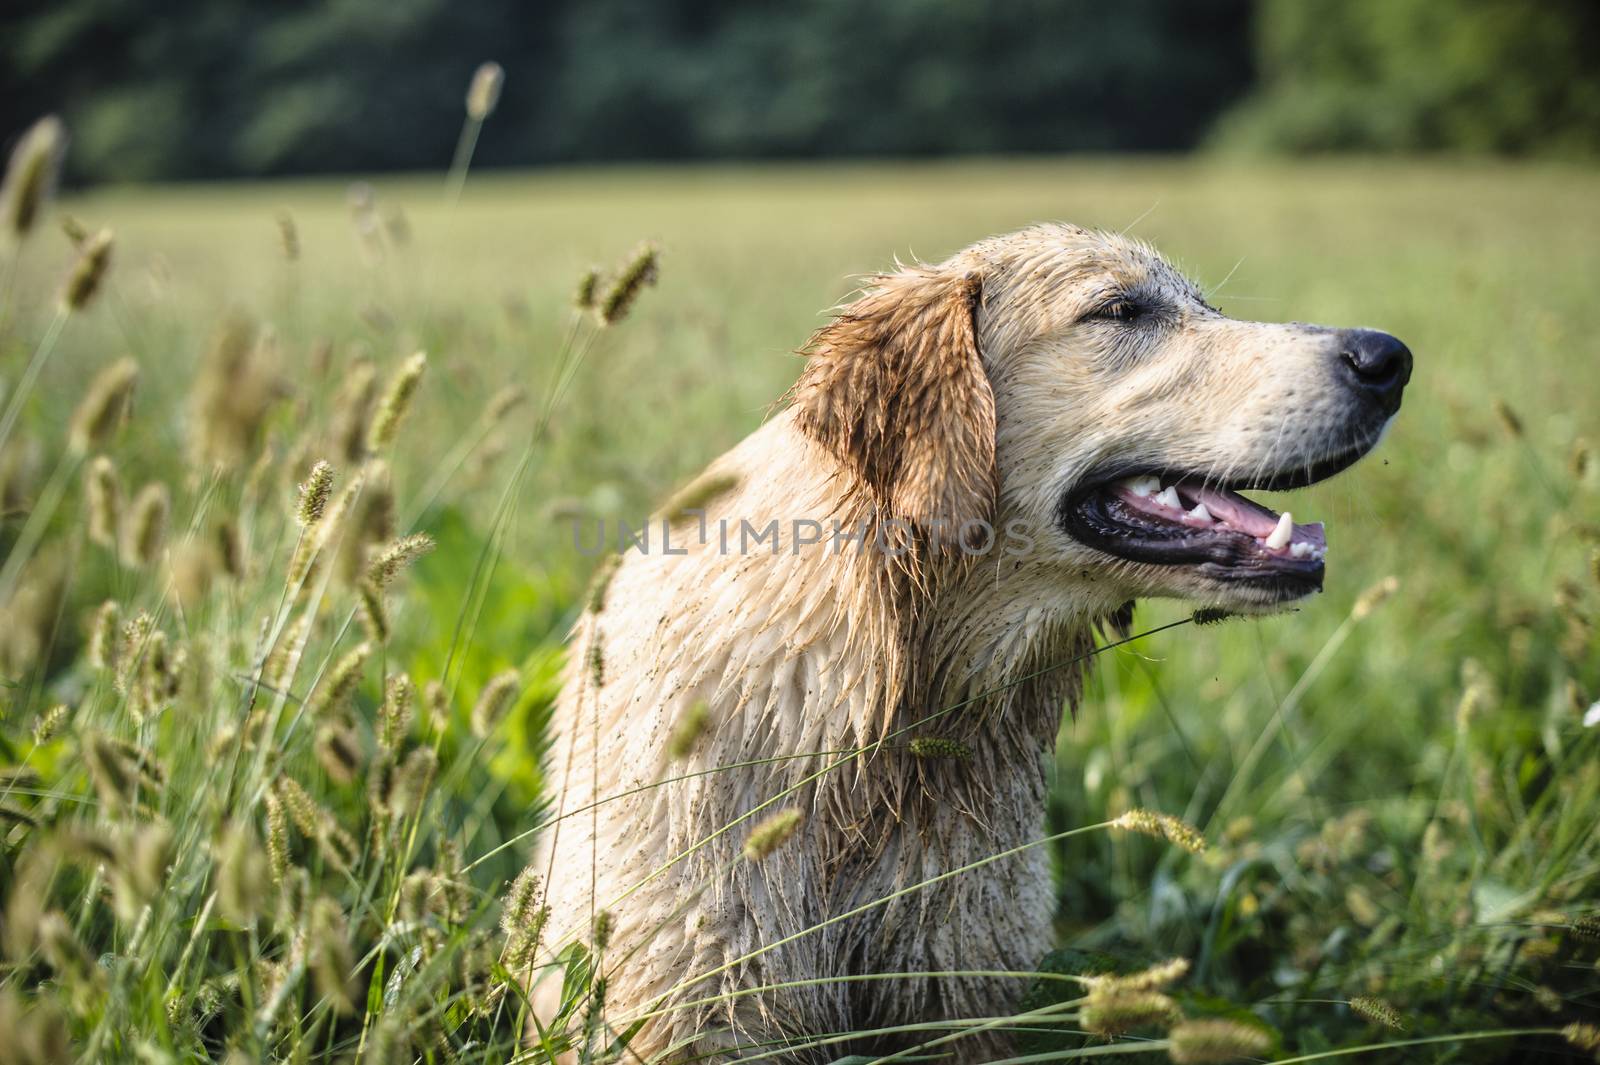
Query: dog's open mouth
column 1189, row 520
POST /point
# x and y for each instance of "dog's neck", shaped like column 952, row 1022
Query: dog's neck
column 980, row 660
column 985, row 652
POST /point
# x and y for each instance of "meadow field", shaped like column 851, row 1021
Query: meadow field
column 272, row 803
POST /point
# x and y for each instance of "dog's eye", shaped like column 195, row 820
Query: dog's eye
column 1120, row 309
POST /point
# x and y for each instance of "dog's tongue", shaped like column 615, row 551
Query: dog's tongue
column 1191, row 502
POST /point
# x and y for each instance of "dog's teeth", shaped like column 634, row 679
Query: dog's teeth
column 1301, row 549
column 1200, row 512
column 1280, row 536
column 1142, row 486
column 1169, row 498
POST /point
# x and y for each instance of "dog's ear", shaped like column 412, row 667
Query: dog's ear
column 896, row 390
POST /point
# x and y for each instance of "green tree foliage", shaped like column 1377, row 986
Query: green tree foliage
column 207, row 88
column 1500, row 76
column 200, row 88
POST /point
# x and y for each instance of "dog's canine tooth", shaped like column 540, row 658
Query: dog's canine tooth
column 1169, row 498
column 1280, row 536
column 1200, row 512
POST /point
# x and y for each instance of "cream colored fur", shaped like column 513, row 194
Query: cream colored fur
column 811, row 650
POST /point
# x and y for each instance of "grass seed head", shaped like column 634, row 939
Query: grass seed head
column 1585, row 926
column 394, row 716
column 397, row 226
column 238, row 383
column 374, row 614
column 1112, row 1012
column 1162, row 826
column 62, row 949
column 193, row 567
column 288, row 236
column 144, row 533
column 230, row 548
column 94, row 259
column 938, row 747
column 284, row 659
column 1374, row 597
column 28, row 622
column 335, row 691
column 642, row 269
column 412, row 779
column 771, row 833
column 1508, row 418
column 49, row 724
column 277, row 837
column 135, row 634
column 1581, row 459
column 503, row 402
column 302, row 809
column 602, row 582
column 15, row 814
column 103, row 630
column 698, row 495
column 387, row 563
column 522, row 900
column 353, row 409
column 314, row 491
column 604, row 925
column 102, row 494
column 35, row 1033
column 1155, row 978
column 73, row 229
column 338, row 847
column 1215, row 1042
column 495, row 699
column 380, row 785
column 1212, row 615
column 140, row 869
column 103, row 407
column 1475, row 698
column 583, row 297
column 523, row 917
column 1585, row 1037
column 417, row 894
column 339, row 752
column 692, row 725
column 31, row 175
column 435, row 705
column 1379, row 1012
column 328, row 954
column 372, row 521
column 484, row 92
column 240, row 873
column 159, row 677
column 120, row 770
column 396, row 401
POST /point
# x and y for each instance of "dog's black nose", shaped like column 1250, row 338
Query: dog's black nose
column 1377, row 364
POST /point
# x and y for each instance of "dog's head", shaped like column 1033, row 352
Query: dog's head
column 1077, row 382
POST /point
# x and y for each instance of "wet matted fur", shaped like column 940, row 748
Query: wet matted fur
column 1004, row 390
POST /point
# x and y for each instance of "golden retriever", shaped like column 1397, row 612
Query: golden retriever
column 983, row 461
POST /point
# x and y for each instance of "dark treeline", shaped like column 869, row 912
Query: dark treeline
column 207, row 88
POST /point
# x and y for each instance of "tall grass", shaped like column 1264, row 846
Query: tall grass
column 283, row 603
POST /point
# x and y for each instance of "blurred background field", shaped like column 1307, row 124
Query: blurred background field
column 1399, row 781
